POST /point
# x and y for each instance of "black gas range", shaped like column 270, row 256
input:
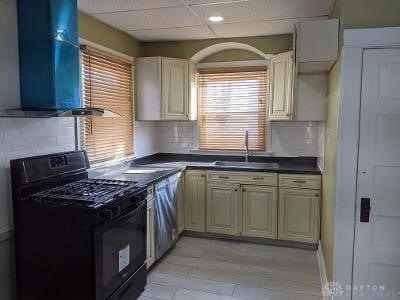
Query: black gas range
column 76, row 238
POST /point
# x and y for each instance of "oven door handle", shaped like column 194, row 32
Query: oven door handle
column 127, row 213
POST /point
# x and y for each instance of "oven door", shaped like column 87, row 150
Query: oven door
column 120, row 249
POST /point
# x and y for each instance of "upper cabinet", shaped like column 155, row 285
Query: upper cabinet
column 316, row 44
column 298, row 83
column 281, row 87
column 164, row 88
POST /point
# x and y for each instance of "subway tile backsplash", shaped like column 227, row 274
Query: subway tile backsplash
column 287, row 138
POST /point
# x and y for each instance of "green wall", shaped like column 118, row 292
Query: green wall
column 96, row 31
column 232, row 55
column 185, row 49
column 366, row 14
column 329, row 173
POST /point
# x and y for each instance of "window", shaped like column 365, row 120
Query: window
column 232, row 100
column 107, row 82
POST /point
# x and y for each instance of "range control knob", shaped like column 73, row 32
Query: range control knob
column 107, row 214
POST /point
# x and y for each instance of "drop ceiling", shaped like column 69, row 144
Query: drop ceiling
column 158, row 20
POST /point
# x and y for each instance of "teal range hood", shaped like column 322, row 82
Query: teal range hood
column 49, row 61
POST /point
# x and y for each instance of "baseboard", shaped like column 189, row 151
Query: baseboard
column 273, row 242
column 322, row 269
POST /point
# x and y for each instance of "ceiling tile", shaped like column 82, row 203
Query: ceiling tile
column 151, row 19
column 182, row 33
column 257, row 28
column 102, row 6
column 257, row 10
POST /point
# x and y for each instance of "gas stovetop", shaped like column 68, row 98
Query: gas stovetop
column 87, row 192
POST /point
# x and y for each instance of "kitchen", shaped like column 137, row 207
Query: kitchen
column 230, row 145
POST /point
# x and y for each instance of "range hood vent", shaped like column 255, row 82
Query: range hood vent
column 49, row 61
column 77, row 112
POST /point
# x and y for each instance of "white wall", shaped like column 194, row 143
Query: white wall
column 21, row 137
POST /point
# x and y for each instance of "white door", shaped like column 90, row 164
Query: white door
column 377, row 236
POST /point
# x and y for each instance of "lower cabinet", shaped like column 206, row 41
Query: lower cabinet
column 259, row 211
column 239, row 203
column 180, row 202
column 299, row 215
column 195, row 200
column 223, row 208
column 150, row 247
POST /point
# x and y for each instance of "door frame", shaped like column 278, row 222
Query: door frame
column 355, row 41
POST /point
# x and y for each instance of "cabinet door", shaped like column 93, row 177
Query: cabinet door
column 151, row 257
column 259, row 211
column 281, row 87
column 195, row 196
column 180, row 203
column 223, row 208
column 299, row 215
column 175, row 89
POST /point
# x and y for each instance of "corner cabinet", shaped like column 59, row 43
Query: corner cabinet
column 195, row 200
column 299, row 207
column 223, row 208
column 163, row 88
column 281, row 87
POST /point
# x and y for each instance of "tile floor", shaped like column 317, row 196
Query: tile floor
column 210, row 269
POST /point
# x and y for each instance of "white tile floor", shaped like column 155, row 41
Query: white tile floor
column 210, row 269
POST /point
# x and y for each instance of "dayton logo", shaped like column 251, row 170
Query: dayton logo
column 331, row 289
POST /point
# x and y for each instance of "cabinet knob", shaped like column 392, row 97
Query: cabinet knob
column 202, row 176
column 316, row 195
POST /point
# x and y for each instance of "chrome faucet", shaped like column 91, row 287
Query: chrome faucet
column 246, row 143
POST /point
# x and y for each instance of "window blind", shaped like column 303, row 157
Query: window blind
column 107, row 82
column 231, row 101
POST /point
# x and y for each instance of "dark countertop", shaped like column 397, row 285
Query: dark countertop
column 292, row 165
column 143, row 179
column 163, row 165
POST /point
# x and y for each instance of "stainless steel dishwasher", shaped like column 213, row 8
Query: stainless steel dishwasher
column 165, row 207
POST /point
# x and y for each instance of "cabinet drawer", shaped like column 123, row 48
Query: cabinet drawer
column 259, row 178
column 300, row 181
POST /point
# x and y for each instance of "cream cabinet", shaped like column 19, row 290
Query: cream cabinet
column 242, row 203
column 195, row 200
column 222, row 210
column 316, row 44
column 175, row 89
column 180, row 202
column 259, row 211
column 150, row 247
column 299, row 215
column 163, row 88
column 281, row 87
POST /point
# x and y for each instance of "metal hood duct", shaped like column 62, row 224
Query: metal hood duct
column 49, row 61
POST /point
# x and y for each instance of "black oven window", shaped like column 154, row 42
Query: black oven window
column 122, row 246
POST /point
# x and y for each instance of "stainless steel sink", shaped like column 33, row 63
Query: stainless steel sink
column 242, row 164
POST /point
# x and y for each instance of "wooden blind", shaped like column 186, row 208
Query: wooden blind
column 232, row 101
column 107, row 83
